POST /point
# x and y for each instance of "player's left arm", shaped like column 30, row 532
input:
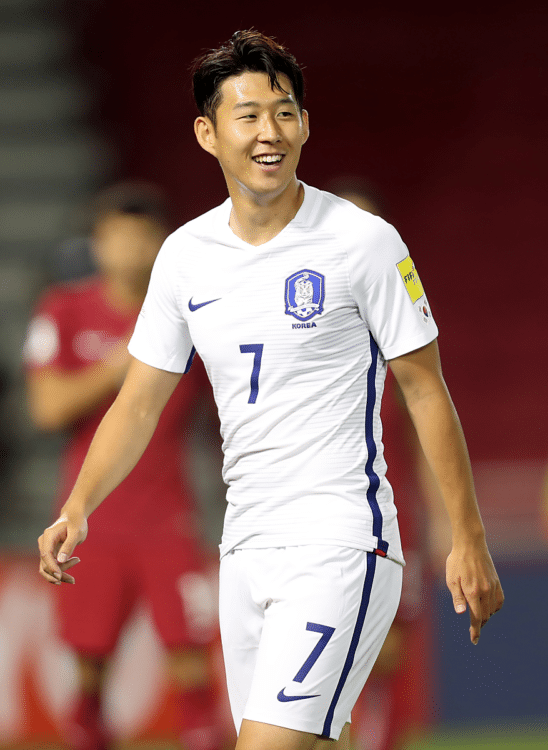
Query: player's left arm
column 470, row 573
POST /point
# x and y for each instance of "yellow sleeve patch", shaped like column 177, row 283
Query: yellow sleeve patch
column 410, row 278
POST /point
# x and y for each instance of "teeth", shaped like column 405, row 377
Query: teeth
column 268, row 159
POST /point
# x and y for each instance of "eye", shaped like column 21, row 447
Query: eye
column 286, row 114
column 247, row 117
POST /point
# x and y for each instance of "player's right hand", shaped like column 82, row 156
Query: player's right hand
column 57, row 544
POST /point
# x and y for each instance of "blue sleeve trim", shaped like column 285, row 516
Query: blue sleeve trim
column 190, row 360
column 374, row 481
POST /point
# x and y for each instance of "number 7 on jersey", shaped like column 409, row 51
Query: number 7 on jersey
column 257, row 350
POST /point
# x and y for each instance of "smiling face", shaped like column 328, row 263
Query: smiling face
column 258, row 136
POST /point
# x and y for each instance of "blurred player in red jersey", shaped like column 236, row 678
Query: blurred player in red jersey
column 393, row 707
column 146, row 537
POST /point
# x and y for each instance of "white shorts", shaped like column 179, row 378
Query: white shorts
column 301, row 629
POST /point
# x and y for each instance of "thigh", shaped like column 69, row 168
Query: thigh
column 241, row 615
column 321, row 614
column 92, row 612
column 255, row 736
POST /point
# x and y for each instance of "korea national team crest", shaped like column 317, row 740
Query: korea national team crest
column 304, row 294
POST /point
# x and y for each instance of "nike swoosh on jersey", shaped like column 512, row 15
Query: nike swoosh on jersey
column 193, row 307
column 285, row 698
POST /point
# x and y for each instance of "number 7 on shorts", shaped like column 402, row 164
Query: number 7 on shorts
column 326, row 632
column 315, row 654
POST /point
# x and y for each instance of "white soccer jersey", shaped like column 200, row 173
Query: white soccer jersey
column 294, row 335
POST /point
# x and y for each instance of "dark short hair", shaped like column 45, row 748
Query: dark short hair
column 245, row 51
column 132, row 198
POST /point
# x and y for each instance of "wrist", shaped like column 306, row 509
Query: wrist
column 469, row 535
column 74, row 509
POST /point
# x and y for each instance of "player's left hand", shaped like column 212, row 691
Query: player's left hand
column 473, row 582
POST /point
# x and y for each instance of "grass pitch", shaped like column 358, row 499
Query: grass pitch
column 523, row 737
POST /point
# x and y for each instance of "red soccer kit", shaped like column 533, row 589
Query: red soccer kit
column 142, row 542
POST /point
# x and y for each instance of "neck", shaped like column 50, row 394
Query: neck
column 258, row 219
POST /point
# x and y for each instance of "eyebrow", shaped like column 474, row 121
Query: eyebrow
column 285, row 100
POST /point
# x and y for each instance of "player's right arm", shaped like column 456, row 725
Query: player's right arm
column 119, row 443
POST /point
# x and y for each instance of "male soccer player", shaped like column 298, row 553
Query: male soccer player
column 76, row 359
column 311, row 562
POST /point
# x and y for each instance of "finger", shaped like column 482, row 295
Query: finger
column 459, row 600
column 48, row 576
column 485, row 603
column 65, row 577
column 49, row 565
column 67, row 548
column 499, row 597
column 48, row 543
column 69, row 563
column 493, row 600
column 496, row 598
column 476, row 618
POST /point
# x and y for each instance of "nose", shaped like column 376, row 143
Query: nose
column 269, row 131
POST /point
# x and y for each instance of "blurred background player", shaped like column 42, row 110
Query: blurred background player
column 147, row 535
column 394, row 705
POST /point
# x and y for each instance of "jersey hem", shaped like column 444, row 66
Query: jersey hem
column 266, row 543
column 410, row 346
column 169, row 367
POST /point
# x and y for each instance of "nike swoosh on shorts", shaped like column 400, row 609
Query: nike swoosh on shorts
column 193, row 307
column 285, row 698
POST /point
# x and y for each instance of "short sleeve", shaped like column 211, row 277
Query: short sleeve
column 161, row 337
column 389, row 292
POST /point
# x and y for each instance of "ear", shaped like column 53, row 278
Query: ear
column 205, row 134
column 306, row 126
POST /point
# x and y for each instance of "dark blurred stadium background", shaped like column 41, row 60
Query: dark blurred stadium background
column 444, row 109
